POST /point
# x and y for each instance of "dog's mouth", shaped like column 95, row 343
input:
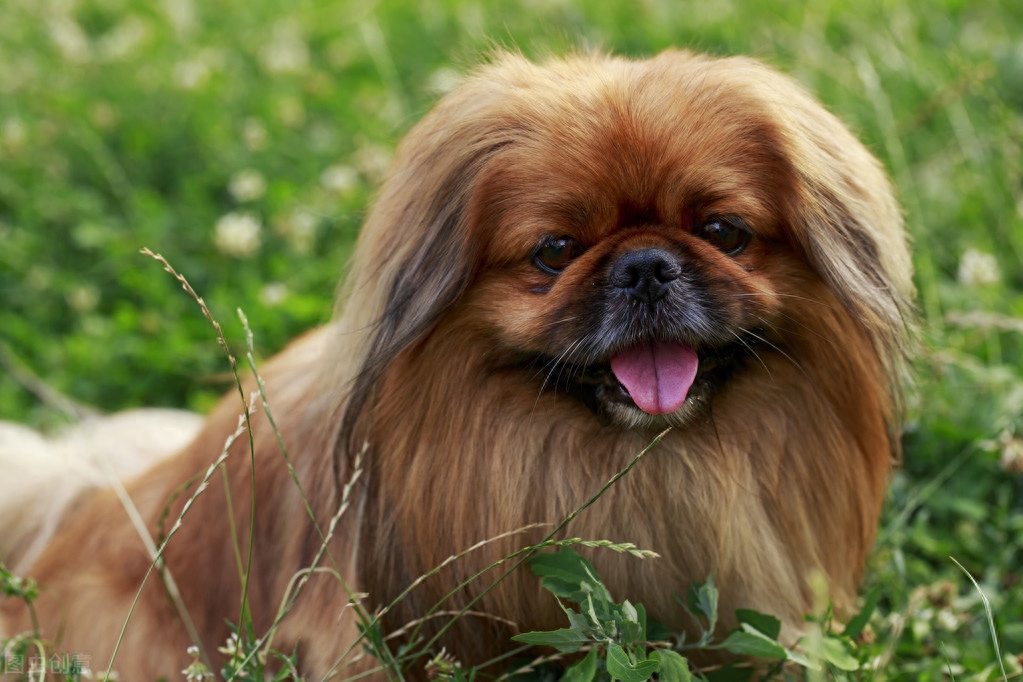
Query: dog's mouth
column 656, row 375
column 646, row 380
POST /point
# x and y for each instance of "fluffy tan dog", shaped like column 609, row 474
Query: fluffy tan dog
column 565, row 260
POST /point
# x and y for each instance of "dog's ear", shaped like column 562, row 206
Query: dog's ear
column 847, row 230
column 843, row 216
column 416, row 252
column 850, row 228
column 843, row 213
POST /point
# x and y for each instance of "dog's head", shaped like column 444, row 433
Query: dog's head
column 630, row 232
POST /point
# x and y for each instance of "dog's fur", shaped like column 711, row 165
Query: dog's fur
column 473, row 382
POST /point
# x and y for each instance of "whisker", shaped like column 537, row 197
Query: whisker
column 561, row 366
column 802, row 325
column 555, row 363
column 561, row 320
column 774, row 294
column 752, row 350
column 779, row 350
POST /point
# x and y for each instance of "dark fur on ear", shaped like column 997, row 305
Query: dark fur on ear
column 846, row 256
column 853, row 237
column 414, row 245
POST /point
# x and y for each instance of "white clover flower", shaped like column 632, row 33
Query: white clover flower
column 444, row 80
column 372, row 159
column 286, row 52
column 272, row 295
column 947, row 620
column 339, row 178
column 182, row 16
column 237, row 234
column 123, row 39
column 299, row 229
column 70, row 39
column 197, row 672
column 254, row 134
column 230, row 646
column 14, row 132
column 978, row 268
column 191, row 74
column 247, row 185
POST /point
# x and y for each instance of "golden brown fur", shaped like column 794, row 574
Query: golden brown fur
column 441, row 369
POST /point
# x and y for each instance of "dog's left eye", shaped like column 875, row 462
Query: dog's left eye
column 730, row 235
column 554, row 254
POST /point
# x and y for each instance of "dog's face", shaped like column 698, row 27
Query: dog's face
column 632, row 233
column 636, row 264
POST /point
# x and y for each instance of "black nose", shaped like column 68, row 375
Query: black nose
column 645, row 274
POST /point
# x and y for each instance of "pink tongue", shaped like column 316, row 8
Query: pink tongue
column 657, row 374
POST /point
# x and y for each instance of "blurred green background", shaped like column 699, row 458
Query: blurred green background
column 243, row 141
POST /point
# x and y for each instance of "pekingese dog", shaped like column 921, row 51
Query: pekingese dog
column 566, row 259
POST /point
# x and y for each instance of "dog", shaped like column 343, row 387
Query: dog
column 566, row 260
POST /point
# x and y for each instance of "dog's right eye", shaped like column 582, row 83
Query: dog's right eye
column 553, row 254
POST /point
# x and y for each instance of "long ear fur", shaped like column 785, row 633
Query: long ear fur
column 853, row 236
column 852, row 231
column 844, row 216
column 414, row 256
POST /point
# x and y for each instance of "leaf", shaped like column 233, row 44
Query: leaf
column 591, row 612
column 802, row 660
column 584, row 670
column 641, row 612
column 855, row 625
column 565, row 640
column 578, row 621
column 633, row 622
column 671, row 667
column 621, row 668
column 629, row 612
column 751, row 642
column 568, row 575
column 764, row 623
column 704, row 600
column 835, row 652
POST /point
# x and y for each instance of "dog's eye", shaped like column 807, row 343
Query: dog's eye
column 730, row 235
column 554, row 254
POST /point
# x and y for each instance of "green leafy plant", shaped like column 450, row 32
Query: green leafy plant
column 622, row 644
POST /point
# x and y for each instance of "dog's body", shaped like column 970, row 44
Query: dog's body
column 550, row 238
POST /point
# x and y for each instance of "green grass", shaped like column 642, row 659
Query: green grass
column 123, row 125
